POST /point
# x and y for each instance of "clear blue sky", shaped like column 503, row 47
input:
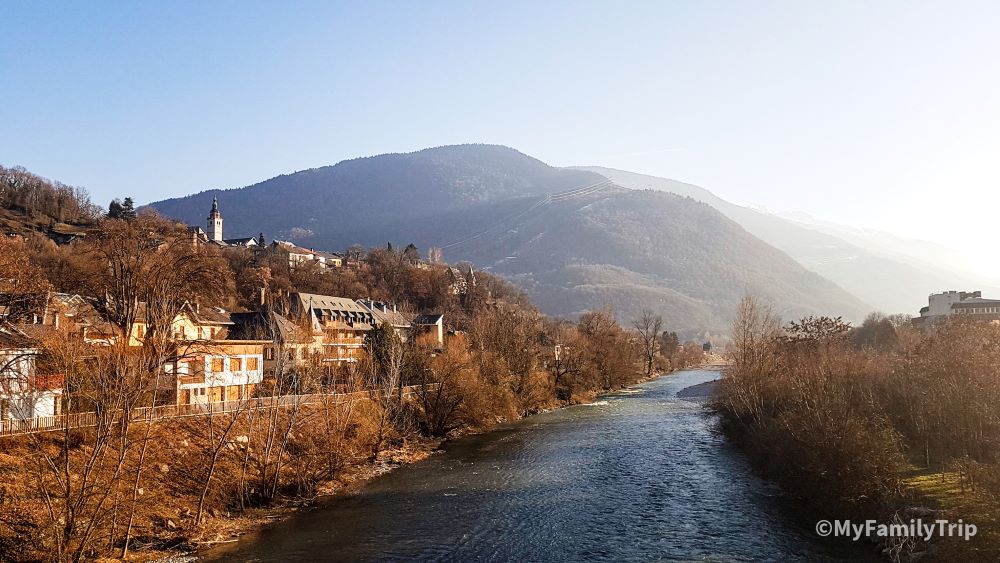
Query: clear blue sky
column 877, row 114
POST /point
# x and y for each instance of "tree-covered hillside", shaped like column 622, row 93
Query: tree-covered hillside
column 572, row 249
column 374, row 199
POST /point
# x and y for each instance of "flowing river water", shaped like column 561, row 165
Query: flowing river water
column 639, row 475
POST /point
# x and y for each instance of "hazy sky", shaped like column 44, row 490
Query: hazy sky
column 879, row 114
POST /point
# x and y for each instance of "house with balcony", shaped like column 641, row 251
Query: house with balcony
column 24, row 393
column 216, row 372
column 209, row 365
column 385, row 313
column 341, row 323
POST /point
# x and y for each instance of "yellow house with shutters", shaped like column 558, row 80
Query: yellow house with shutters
column 218, row 371
column 210, row 367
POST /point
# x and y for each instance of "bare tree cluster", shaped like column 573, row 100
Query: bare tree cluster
column 37, row 196
column 842, row 414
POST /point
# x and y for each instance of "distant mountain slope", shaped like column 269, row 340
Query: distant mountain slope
column 890, row 281
column 365, row 200
column 571, row 238
column 636, row 249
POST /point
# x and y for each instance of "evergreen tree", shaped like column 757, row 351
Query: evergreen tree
column 128, row 209
column 411, row 253
column 122, row 209
column 115, row 210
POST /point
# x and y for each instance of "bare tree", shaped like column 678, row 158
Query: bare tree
column 384, row 360
column 649, row 327
column 754, row 337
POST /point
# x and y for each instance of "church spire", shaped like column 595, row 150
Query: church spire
column 215, row 222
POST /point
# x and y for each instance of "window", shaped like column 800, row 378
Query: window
column 236, row 364
column 268, row 353
column 252, row 363
column 217, row 365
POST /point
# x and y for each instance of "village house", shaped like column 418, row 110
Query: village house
column 298, row 256
column 287, row 344
column 208, row 366
column 341, row 322
column 432, row 325
column 25, row 394
column 384, row 313
column 216, row 371
column 69, row 312
column 408, row 327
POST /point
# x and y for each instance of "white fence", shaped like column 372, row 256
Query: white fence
column 89, row 419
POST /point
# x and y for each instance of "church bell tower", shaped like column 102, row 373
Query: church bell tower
column 215, row 222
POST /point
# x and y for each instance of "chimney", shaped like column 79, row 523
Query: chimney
column 262, row 297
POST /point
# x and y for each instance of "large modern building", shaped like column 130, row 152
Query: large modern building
column 967, row 303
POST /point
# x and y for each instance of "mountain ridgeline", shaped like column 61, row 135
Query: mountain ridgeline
column 573, row 239
column 895, row 277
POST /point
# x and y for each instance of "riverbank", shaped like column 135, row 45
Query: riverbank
column 223, row 528
column 887, row 434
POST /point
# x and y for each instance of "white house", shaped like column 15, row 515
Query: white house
column 24, row 394
column 298, row 256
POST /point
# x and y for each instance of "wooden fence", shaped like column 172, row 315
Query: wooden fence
column 161, row 412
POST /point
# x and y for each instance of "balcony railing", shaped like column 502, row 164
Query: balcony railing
column 359, row 341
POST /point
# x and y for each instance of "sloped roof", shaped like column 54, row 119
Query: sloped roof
column 268, row 325
column 327, row 255
column 208, row 315
column 327, row 307
column 384, row 314
column 13, row 339
column 429, row 319
column 329, row 302
column 240, row 241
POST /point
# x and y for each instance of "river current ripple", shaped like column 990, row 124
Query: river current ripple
column 640, row 475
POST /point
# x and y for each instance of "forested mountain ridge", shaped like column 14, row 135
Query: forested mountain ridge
column 363, row 200
column 571, row 238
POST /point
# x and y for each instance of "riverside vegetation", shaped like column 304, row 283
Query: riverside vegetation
column 131, row 487
column 881, row 421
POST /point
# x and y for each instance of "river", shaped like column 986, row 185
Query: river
column 639, row 475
